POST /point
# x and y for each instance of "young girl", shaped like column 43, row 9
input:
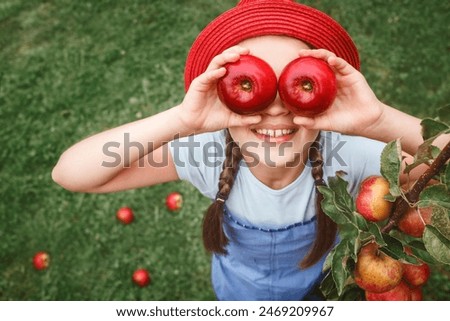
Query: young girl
column 265, row 228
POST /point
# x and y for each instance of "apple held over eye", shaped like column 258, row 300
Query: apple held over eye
column 125, row 215
column 174, row 201
column 370, row 202
column 375, row 271
column 307, row 86
column 141, row 277
column 41, row 260
column 249, row 85
column 414, row 220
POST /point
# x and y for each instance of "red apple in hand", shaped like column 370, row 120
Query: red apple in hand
column 174, row 201
column 370, row 202
column 249, row 85
column 41, row 260
column 125, row 215
column 307, row 86
column 376, row 271
column 141, row 277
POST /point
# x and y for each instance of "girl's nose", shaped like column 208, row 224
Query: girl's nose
column 276, row 108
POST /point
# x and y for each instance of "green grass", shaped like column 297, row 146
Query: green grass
column 69, row 69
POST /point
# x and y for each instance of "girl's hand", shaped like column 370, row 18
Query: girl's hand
column 201, row 109
column 356, row 108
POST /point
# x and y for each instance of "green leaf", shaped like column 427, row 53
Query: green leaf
column 342, row 197
column 419, row 250
column 425, row 153
column 393, row 248
column 328, row 287
column 331, row 207
column 440, row 219
column 374, row 229
column 437, row 244
column 432, row 128
column 391, row 159
column 444, row 114
column 435, row 195
column 338, row 265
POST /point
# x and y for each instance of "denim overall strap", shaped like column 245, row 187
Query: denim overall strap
column 263, row 264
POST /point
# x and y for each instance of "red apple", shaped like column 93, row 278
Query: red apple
column 174, row 201
column 414, row 220
column 370, row 202
column 376, row 271
column 416, row 275
column 399, row 293
column 41, row 260
column 249, row 85
column 141, row 277
column 416, row 294
column 125, row 215
column 307, row 86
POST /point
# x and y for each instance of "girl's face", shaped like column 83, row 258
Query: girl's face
column 276, row 141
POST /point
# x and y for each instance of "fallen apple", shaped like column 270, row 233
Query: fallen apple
column 125, row 215
column 141, row 277
column 375, row 271
column 41, row 260
column 174, row 201
column 307, row 86
column 370, row 202
column 414, row 220
column 249, row 85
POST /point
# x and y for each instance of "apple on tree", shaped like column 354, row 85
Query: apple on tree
column 41, row 260
column 399, row 293
column 416, row 275
column 375, row 271
column 249, row 85
column 307, row 86
column 414, row 220
column 370, row 202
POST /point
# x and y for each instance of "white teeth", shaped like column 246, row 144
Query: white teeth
column 274, row 133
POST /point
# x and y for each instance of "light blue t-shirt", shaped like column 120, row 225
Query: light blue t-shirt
column 199, row 158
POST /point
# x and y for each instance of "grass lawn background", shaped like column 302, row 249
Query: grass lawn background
column 69, row 69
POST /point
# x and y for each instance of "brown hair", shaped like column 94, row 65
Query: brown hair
column 214, row 238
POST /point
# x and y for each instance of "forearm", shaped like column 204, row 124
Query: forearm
column 97, row 159
column 394, row 124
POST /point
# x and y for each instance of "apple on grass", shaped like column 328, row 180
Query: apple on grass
column 125, row 215
column 249, row 85
column 41, row 260
column 370, row 202
column 375, row 271
column 141, row 277
column 174, row 201
column 307, row 86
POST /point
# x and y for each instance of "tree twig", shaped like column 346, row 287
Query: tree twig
column 401, row 205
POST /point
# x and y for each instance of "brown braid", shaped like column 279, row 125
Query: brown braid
column 326, row 228
column 214, row 238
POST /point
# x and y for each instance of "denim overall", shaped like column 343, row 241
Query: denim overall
column 263, row 264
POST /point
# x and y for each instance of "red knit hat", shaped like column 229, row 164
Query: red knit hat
column 252, row 18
